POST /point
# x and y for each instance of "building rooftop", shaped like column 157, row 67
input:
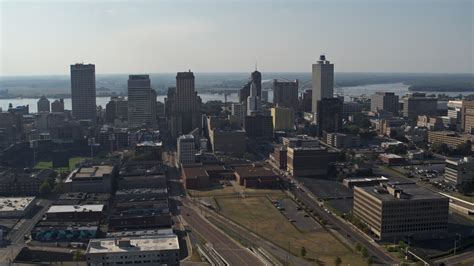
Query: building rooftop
column 253, row 171
column 75, row 208
column 396, row 191
column 391, row 156
column 133, row 244
column 15, row 204
column 90, row 173
column 194, row 172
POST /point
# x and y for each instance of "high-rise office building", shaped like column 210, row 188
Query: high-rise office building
column 259, row 126
column 183, row 106
column 256, row 79
column 186, row 148
column 141, row 102
column 57, row 106
column 83, row 91
column 306, row 100
column 415, row 104
column 467, row 117
column 283, row 118
column 43, row 104
column 386, row 101
column 329, row 115
column 323, row 81
column 285, row 93
column 459, row 171
column 253, row 101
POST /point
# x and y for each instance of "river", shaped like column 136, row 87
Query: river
column 398, row 88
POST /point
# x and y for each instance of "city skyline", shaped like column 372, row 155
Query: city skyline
column 167, row 37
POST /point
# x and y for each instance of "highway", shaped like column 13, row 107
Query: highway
column 233, row 253
column 348, row 230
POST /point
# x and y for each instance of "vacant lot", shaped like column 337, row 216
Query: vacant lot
column 48, row 165
column 260, row 216
column 217, row 190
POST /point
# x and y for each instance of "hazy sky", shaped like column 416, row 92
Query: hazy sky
column 230, row 36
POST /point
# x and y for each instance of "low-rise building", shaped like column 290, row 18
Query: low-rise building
column 363, row 182
column 416, row 155
column 391, row 159
column 75, row 212
column 432, row 123
column 150, row 250
column 15, row 207
column 232, row 141
column 279, row 157
column 309, row 161
column 22, row 182
column 97, row 178
column 342, row 141
column 195, row 177
column 459, row 171
column 396, row 210
column 451, row 138
column 300, row 141
column 252, row 176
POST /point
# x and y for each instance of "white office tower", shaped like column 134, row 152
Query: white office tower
column 141, row 102
column 186, row 149
column 323, row 82
column 83, row 92
column 253, row 101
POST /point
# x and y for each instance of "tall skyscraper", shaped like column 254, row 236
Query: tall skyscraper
column 253, row 101
column 323, row 81
column 83, row 91
column 43, row 104
column 183, row 106
column 141, row 102
column 256, row 79
column 285, row 93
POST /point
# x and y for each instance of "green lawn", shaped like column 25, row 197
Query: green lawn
column 49, row 165
column 257, row 214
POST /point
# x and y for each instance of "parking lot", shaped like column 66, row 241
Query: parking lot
column 326, row 189
column 298, row 217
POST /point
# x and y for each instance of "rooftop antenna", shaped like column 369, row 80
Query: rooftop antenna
column 256, row 65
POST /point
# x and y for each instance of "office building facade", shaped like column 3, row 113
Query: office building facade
column 323, row 82
column 43, row 105
column 285, row 93
column 329, row 115
column 186, row 148
column 467, row 117
column 384, row 101
column 141, row 102
column 397, row 210
column 283, row 118
column 83, row 92
column 415, row 104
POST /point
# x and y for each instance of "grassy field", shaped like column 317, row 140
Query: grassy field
column 218, row 190
column 260, row 216
column 48, row 165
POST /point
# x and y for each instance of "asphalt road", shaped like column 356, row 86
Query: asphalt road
column 25, row 225
column 233, row 253
column 345, row 228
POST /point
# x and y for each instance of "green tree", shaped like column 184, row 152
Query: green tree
column 364, row 252
column 441, row 148
column 45, row 188
column 303, row 251
column 466, row 188
column 370, row 261
column 464, row 148
column 358, row 247
column 337, row 261
column 78, row 255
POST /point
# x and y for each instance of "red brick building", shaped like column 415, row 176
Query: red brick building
column 256, row 177
column 195, row 177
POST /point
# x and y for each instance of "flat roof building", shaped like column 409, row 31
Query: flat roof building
column 459, row 171
column 15, row 207
column 152, row 250
column 96, row 178
column 396, row 210
column 308, row 161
